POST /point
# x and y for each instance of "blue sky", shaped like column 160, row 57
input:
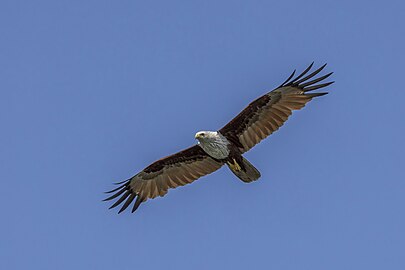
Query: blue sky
column 94, row 91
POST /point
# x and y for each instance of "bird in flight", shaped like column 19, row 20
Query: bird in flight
column 214, row 149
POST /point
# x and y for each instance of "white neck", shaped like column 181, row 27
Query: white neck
column 214, row 144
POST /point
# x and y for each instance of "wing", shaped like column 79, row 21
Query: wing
column 170, row 172
column 269, row 112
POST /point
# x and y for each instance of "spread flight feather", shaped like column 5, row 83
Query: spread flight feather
column 258, row 120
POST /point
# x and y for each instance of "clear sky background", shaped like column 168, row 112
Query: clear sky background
column 94, row 91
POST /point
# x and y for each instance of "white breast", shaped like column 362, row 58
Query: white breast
column 216, row 146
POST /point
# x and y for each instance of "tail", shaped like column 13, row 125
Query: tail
column 245, row 172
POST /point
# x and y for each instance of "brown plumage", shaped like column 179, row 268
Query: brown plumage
column 257, row 121
column 269, row 112
column 173, row 171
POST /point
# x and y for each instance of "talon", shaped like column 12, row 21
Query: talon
column 235, row 166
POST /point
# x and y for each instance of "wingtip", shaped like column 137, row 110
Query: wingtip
column 323, row 66
column 288, row 79
column 136, row 204
column 122, row 182
column 317, row 94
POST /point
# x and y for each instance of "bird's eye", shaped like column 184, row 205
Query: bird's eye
column 202, row 134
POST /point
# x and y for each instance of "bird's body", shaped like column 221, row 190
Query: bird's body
column 258, row 120
column 219, row 147
column 214, row 144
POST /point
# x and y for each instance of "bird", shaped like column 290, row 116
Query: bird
column 227, row 145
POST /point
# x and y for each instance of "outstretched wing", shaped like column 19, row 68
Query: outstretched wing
column 170, row 172
column 269, row 112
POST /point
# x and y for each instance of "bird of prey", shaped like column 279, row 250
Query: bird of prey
column 214, row 149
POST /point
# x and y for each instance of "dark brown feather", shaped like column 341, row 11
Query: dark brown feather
column 173, row 171
column 258, row 120
column 268, row 113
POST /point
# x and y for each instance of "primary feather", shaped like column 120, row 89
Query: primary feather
column 258, row 120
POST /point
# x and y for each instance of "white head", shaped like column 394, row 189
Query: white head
column 206, row 135
column 213, row 143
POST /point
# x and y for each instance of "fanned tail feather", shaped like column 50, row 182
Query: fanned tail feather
column 248, row 174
